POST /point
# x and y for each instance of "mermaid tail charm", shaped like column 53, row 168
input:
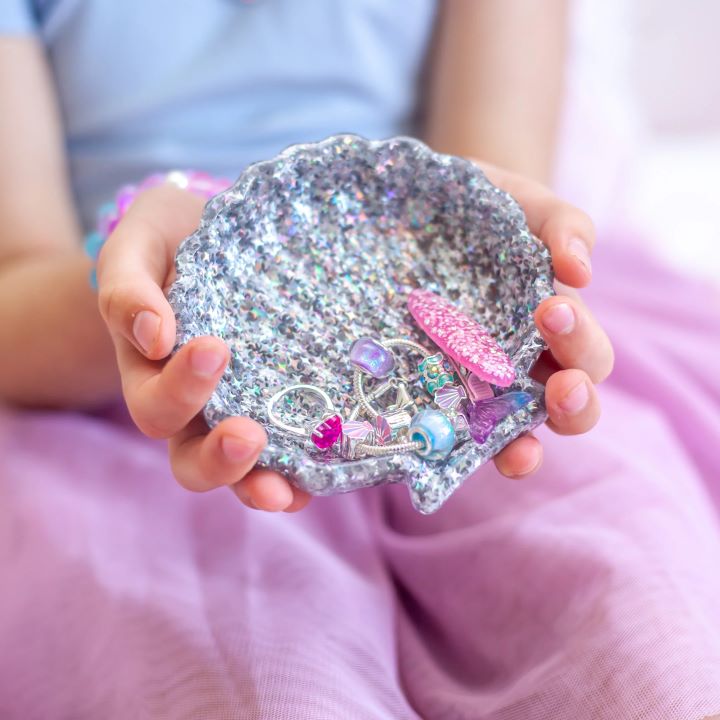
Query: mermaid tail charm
column 484, row 416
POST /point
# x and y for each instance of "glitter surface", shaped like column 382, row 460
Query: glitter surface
column 321, row 246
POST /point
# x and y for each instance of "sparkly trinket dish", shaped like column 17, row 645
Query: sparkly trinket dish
column 377, row 299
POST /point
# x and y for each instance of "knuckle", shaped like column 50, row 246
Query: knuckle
column 187, row 466
column 114, row 301
column 106, row 249
column 153, row 428
column 564, row 217
column 586, row 224
column 152, row 425
column 187, row 481
column 107, row 301
column 182, row 399
column 173, row 403
column 185, row 476
column 591, row 420
column 155, row 431
column 604, row 370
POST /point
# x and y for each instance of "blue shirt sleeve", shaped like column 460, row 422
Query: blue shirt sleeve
column 17, row 18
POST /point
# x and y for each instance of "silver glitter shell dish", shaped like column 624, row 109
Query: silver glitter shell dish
column 322, row 245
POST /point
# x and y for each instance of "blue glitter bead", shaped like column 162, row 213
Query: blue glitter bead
column 93, row 244
column 437, row 432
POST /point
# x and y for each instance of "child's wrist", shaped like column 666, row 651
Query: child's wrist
column 110, row 214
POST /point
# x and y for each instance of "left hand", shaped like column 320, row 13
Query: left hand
column 580, row 354
column 165, row 395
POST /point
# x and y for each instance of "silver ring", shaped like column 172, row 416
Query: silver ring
column 294, row 430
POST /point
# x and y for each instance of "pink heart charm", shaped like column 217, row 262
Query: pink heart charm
column 461, row 338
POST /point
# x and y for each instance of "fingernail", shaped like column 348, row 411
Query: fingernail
column 559, row 319
column 528, row 470
column 205, row 363
column 245, row 499
column 576, row 399
column 146, row 326
column 579, row 250
column 237, row 450
column 277, row 504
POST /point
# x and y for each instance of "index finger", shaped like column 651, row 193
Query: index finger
column 566, row 231
column 135, row 264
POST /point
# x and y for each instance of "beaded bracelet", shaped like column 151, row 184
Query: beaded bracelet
column 110, row 214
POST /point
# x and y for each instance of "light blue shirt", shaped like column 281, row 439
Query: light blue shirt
column 148, row 85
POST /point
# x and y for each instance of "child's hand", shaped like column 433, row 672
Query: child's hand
column 165, row 398
column 580, row 352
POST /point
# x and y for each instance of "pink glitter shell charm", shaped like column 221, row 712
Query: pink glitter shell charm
column 461, row 338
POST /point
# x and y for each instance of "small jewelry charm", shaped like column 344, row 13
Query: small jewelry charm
column 372, row 358
column 382, row 429
column 355, row 432
column 397, row 419
column 400, row 413
column 458, row 418
column 325, row 433
column 403, row 401
column 449, row 399
column 435, row 431
column 435, row 372
column 478, row 389
column 450, row 396
column 485, row 415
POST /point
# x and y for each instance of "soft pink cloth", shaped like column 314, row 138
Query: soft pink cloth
column 590, row 591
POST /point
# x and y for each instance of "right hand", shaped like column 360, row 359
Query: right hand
column 166, row 396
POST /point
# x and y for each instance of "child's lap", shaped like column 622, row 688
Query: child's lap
column 128, row 592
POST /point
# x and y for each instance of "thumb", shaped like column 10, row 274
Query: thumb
column 136, row 263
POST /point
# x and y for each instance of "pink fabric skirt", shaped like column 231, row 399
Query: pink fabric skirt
column 589, row 591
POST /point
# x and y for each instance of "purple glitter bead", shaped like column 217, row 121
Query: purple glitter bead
column 371, row 357
column 485, row 415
